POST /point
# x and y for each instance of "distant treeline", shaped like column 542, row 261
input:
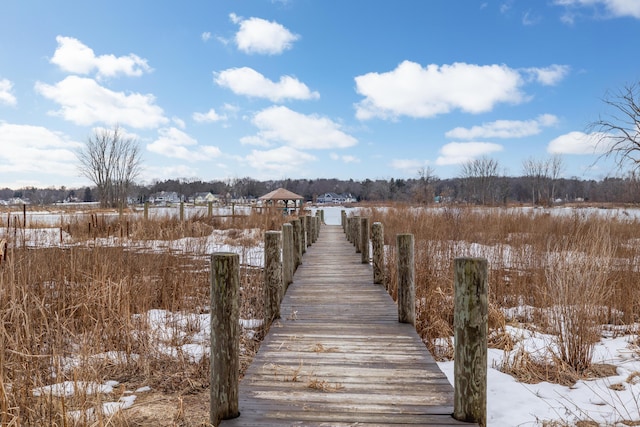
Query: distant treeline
column 491, row 190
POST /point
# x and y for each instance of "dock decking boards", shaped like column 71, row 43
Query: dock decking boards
column 338, row 356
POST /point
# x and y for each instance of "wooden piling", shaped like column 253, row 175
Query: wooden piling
column 303, row 234
column 272, row 276
column 358, row 232
column 297, row 242
column 209, row 209
column 307, row 230
column 225, row 336
column 288, row 257
column 146, row 211
column 406, row 274
column 364, row 240
column 470, row 336
column 181, row 211
column 377, row 242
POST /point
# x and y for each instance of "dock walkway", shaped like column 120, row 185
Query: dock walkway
column 338, row 356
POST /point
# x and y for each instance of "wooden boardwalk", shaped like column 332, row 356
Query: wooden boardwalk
column 338, row 356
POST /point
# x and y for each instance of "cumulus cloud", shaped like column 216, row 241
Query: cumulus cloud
column 176, row 144
column 84, row 102
column 416, row 91
column 257, row 35
column 36, row 149
column 455, row 153
column 279, row 124
column 281, row 160
column 407, row 165
column 73, row 56
column 6, row 97
column 578, row 143
column 548, row 76
column 613, row 8
column 504, row 128
column 209, row 116
column 344, row 158
column 205, row 36
column 247, row 81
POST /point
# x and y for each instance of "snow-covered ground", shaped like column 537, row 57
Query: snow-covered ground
column 605, row 401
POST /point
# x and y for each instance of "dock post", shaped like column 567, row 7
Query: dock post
column 406, row 274
column 288, row 257
column 357, row 234
column 272, row 276
column 377, row 242
column 470, row 336
column 303, row 234
column 297, row 242
column 146, row 211
column 225, row 336
column 364, row 240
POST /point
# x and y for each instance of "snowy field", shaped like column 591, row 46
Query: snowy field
column 604, row 401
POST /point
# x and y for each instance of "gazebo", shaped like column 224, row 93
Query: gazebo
column 283, row 195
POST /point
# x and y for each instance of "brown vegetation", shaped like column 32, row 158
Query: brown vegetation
column 78, row 311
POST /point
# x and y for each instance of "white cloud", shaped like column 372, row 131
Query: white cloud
column 578, row 143
column 279, row 160
column 504, row 128
column 549, row 76
column 75, row 57
column 614, row 8
column 179, row 122
column 36, row 149
column 84, row 102
column 176, row 144
column 209, row 116
column 257, row 35
column 414, row 91
column 345, row 158
column 6, row 96
column 246, row 81
column 205, row 36
column 280, row 124
column 407, row 165
column 455, row 153
column 254, row 140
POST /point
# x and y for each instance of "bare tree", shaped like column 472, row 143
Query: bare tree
column 543, row 175
column 112, row 162
column 480, row 175
column 618, row 133
column 424, row 191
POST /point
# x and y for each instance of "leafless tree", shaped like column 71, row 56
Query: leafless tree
column 618, row 133
column 543, row 175
column 480, row 175
column 424, row 191
column 112, row 162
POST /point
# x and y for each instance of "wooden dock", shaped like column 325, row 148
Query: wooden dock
column 338, row 356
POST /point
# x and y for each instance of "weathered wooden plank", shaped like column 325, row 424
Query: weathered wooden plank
column 338, row 355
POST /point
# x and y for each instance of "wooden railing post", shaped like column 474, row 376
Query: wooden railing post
column 225, row 336
column 297, row 243
column 358, row 233
column 288, row 257
column 406, row 274
column 181, row 211
column 307, row 229
column 343, row 220
column 470, row 336
column 364, row 240
column 146, row 211
column 303, row 234
column 272, row 276
column 377, row 242
column 209, row 209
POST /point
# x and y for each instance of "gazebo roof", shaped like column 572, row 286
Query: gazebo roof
column 281, row 194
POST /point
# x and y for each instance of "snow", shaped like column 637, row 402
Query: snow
column 606, row 401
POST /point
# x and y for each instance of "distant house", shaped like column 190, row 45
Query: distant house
column 205, row 198
column 164, row 198
column 335, row 198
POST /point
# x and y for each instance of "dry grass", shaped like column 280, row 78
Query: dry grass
column 528, row 265
column 76, row 312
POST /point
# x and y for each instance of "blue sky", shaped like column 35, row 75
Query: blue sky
column 275, row 89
